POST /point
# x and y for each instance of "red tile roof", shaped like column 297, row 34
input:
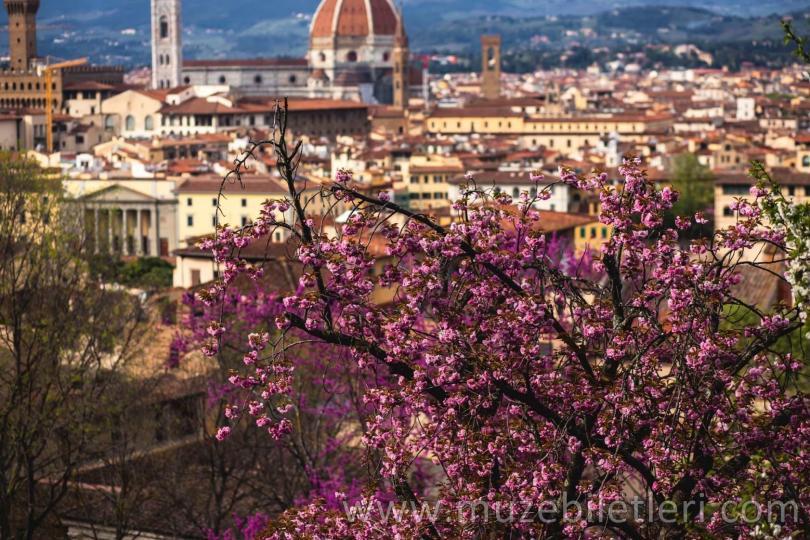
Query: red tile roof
column 352, row 18
column 251, row 185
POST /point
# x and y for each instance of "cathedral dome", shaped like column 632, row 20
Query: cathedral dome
column 354, row 18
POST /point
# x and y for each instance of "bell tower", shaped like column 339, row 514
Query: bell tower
column 401, row 73
column 491, row 67
column 167, row 52
column 22, row 32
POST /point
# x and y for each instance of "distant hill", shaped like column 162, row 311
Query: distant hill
column 117, row 31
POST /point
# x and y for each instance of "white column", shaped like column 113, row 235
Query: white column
column 138, row 232
column 124, row 233
column 153, row 236
column 110, row 246
column 95, row 229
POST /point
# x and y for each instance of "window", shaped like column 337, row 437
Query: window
column 727, row 211
column 222, row 79
column 604, row 232
column 195, row 278
column 806, row 161
column 130, row 123
column 736, row 189
column 214, row 220
column 414, row 179
column 292, row 79
column 186, row 80
column 148, row 123
column 582, row 232
column 164, row 27
column 386, row 56
column 213, row 202
column 190, row 221
column 351, row 56
column 791, row 189
column 322, row 57
column 515, row 193
column 188, row 201
column 244, row 221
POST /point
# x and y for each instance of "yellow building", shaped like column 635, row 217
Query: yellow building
column 565, row 134
column 731, row 186
column 591, row 236
column 198, row 202
column 427, row 180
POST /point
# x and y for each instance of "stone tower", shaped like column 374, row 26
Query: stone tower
column 401, row 66
column 22, row 32
column 167, row 52
column 491, row 67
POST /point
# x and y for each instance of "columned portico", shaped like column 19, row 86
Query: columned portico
column 133, row 223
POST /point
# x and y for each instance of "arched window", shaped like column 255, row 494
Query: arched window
column 109, row 122
column 515, row 193
column 164, row 27
column 130, row 123
column 222, row 79
column 351, row 56
column 148, row 124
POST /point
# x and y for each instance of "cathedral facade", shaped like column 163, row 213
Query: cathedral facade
column 358, row 50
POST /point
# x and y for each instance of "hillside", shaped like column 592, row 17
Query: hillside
column 117, row 31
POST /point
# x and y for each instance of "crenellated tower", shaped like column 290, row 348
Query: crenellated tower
column 22, row 32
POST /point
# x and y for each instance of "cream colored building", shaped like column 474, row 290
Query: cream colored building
column 427, row 180
column 731, row 186
column 127, row 217
column 199, row 200
column 566, row 135
column 133, row 113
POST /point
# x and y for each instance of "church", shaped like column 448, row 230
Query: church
column 358, row 50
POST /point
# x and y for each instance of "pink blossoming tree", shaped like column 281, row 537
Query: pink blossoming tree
column 642, row 400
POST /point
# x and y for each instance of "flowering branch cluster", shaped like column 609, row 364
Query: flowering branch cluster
column 515, row 381
column 793, row 222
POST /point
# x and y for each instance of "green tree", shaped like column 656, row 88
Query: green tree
column 695, row 184
column 64, row 340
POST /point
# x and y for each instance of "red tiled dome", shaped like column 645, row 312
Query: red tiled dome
column 352, row 18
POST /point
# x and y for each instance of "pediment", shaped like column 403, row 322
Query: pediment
column 117, row 193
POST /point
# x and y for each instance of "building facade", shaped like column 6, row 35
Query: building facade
column 354, row 48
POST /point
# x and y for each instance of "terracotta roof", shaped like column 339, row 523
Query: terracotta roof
column 784, row 176
column 244, row 62
column 456, row 112
column 436, row 168
column 497, row 178
column 87, row 85
column 358, row 18
column 253, row 105
column 251, row 185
